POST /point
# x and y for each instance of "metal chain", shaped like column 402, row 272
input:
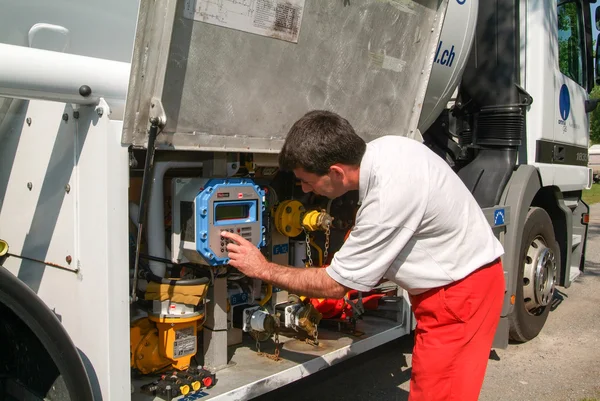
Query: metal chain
column 308, row 251
column 275, row 356
column 326, row 251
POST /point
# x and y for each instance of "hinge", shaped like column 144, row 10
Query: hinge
column 525, row 99
column 157, row 111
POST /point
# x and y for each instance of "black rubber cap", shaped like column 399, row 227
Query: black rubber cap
column 85, row 90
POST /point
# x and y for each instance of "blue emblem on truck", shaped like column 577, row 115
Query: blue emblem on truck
column 498, row 217
column 564, row 102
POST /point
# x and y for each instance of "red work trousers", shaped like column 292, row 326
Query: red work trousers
column 453, row 338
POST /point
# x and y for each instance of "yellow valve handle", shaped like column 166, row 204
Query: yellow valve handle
column 311, row 220
column 291, row 219
column 185, row 389
column 315, row 220
column 196, row 385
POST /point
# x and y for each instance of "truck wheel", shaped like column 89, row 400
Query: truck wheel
column 40, row 361
column 27, row 371
column 536, row 278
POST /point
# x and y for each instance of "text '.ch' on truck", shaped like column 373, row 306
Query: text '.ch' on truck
column 133, row 133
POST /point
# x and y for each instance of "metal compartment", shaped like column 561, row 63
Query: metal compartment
column 222, row 78
column 250, row 375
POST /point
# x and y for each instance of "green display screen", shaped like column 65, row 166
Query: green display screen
column 230, row 212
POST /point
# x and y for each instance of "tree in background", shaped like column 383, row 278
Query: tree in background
column 595, row 118
column 571, row 60
column 595, row 115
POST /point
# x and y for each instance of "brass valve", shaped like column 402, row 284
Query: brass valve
column 309, row 319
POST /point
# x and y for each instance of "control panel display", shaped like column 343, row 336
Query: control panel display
column 227, row 211
column 219, row 204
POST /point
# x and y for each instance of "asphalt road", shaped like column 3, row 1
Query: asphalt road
column 562, row 363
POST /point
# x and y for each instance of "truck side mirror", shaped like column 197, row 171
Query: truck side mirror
column 598, row 18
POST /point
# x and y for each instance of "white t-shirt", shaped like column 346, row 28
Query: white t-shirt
column 417, row 225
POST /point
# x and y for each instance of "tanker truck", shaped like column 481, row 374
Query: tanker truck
column 133, row 132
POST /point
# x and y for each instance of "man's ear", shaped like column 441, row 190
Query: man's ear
column 337, row 170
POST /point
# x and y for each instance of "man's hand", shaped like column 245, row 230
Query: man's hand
column 245, row 256
column 312, row 282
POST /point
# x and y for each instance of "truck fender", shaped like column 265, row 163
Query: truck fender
column 519, row 193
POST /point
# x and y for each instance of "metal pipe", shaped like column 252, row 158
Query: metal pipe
column 28, row 73
column 269, row 293
column 43, row 262
column 156, row 213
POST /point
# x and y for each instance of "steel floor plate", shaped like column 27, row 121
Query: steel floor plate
column 250, row 375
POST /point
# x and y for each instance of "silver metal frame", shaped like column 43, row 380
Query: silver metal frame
column 218, row 89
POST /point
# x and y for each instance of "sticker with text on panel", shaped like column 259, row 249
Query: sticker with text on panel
column 279, row 19
column 185, row 342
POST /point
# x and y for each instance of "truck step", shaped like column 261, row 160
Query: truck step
column 575, row 272
column 571, row 203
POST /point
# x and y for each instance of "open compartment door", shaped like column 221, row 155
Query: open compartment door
column 234, row 75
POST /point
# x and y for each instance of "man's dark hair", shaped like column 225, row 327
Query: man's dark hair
column 319, row 140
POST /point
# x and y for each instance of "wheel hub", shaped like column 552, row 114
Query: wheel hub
column 539, row 275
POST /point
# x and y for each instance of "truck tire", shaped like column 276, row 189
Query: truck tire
column 28, row 371
column 536, row 276
column 41, row 358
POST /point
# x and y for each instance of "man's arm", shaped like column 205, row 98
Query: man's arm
column 312, row 282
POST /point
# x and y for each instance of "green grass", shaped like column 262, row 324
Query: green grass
column 592, row 196
column 596, row 392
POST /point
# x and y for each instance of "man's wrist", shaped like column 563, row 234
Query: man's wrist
column 265, row 271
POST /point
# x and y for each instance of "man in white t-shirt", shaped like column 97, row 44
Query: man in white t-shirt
column 417, row 226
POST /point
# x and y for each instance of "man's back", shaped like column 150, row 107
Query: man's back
column 420, row 219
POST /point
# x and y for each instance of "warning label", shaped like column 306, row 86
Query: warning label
column 279, row 19
column 185, row 342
